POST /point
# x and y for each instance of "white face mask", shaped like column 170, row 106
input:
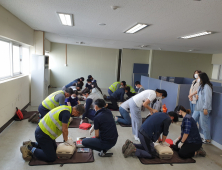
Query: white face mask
column 137, row 87
column 158, row 98
column 84, row 97
column 196, row 76
column 89, row 83
column 73, row 97
column 198, row 80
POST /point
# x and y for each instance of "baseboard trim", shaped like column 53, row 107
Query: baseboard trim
column 11, row 120
column 213, row 142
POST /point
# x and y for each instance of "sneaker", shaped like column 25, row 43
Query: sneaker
column 104, row 154
column 201, row 152
column 32, row 117
column 35, row 120
column 130, row 151
column 26, row 153
column 27, row 143
column 125, row 146
column 136, row 138
column 206, row 141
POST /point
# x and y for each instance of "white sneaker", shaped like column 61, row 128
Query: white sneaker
column 136, row 138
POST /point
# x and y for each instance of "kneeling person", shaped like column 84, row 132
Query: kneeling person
column 150, row 132
column 53, row 124
column 105, row 130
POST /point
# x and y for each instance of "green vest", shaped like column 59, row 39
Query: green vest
column 113, row 87
column 50, row 103
column 51, row 125
column 131, row 89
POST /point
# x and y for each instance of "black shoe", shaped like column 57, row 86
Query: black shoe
column 104, row 154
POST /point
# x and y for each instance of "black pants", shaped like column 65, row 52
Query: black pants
column 114, row 105
column 187, row 150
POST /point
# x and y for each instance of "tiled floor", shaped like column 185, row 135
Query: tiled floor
column 13, row 136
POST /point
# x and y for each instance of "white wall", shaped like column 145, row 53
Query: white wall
column 14, row 93
column 47, row 45
column 13, row 28
column 129, row 57
column 217, row 59
column 82, row 61
column 179, row 64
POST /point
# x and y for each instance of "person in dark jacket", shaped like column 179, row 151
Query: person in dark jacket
column 76, row 81
column 105, row 130
column 118, row 95
column 150, row 132
column 189, row 143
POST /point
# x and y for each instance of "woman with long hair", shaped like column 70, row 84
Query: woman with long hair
column 193, row 90
column 204, row 106
column 189, row 142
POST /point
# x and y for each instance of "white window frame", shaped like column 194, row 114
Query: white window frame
column 219, row 72
column 12, row 74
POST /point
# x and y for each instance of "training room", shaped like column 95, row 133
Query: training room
column 115, row 84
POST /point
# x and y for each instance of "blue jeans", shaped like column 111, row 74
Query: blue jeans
column 146, row 148
column 90, row 114
column 110, row 92
column 125, row 117
column 192, row 107
column 204, row 122
column 97, row 144
column 46, row 149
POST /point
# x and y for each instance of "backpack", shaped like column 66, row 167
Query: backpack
column 19, row 115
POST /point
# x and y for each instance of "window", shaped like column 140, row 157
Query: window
column 11, row 55
column 217, row 72
column 16, row 59
column 5, row 64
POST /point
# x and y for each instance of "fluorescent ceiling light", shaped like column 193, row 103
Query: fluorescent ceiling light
column 66, row 19
column 197, row 35
column 136, row 28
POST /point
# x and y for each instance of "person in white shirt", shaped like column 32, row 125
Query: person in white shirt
column 193, row 90
column 136, row 102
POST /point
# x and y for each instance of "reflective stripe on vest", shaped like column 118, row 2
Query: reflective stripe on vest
column 132, row 90
column 113, row 86
column 50, row 103
column 51, row 125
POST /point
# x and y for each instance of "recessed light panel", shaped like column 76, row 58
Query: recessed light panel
column 136, row 28
column 66, row 19
column 196, row 35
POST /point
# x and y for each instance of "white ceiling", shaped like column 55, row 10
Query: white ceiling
column 169, row 19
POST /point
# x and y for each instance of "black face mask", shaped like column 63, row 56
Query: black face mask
column 180, row 116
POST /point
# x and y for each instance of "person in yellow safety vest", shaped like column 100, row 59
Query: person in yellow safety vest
column 116, row 86
column 53, row 124
column 52, row 101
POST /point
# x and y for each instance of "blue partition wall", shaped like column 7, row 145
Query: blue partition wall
column 187, row 81
column 183, row 95
column 217, row 89
column 144, row 82
column 216, row 83
column 154, row 84
column 178, row 80
column 172, row 92
column 216, row 118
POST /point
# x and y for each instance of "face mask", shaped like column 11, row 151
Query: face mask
column 158, row 98
column 198, row 80
column 73, row 97
column 84, row 97
column 196, row 76
column 89, row 83
column 137, row 87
